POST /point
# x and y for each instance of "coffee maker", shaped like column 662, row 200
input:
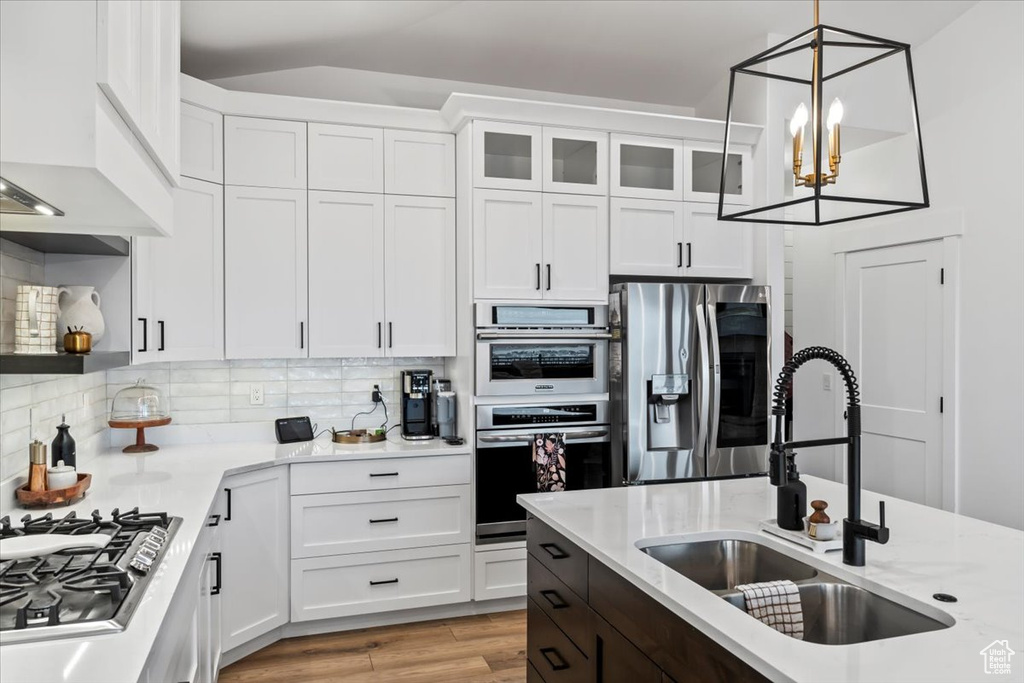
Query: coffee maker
column 416, row 405
column 443, row 406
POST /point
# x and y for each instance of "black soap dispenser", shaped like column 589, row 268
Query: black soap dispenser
column 63, row 446
column 792, row 498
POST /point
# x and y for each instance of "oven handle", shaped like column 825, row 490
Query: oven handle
column 528, row 438
column 538, row 334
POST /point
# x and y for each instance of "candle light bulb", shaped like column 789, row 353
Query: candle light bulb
column 796, row 124
column 835, row 114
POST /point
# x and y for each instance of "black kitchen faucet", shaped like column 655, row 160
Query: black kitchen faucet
column 782, row 465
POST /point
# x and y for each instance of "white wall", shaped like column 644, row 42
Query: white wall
column 970, row 100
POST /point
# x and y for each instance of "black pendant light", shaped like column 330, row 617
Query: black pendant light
column 874, row 76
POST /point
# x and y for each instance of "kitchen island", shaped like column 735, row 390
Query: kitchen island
column 930, row 552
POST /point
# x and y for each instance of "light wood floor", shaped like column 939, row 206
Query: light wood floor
column 487, row 648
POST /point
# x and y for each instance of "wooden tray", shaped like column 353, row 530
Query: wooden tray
column 54, row 496
column 357, row 436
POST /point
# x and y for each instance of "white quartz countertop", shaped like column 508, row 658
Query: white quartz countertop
column 182, row 481
column 930, row 551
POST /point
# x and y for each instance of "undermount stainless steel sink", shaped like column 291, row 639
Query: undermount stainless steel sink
column 835, row 612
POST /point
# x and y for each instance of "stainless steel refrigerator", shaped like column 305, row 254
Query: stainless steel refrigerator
column 689, row 380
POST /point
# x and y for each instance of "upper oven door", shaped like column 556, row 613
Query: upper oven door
column 532, row 366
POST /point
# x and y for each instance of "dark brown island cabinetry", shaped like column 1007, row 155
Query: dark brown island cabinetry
column 585, row 623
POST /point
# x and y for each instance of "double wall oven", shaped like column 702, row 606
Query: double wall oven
column 539, row 369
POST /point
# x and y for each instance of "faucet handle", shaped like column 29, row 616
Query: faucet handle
column 881, row 513
column 882, row 534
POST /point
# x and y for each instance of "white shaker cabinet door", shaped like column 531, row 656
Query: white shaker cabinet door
column 646, row 237
column 346, row 274
column 160, row 72
column 714, row 248
column 507, row 244
column 419, row 247
column 575, row 161
column 118, row 52
column 575, row 247
column 346, row 158
column 144, row 348
column 254, row 555
column 507, row 156
column 646, row 168
column 419, row 163
column 188, row 280
column 202, row 143
column 264, row 152
column 265, row 281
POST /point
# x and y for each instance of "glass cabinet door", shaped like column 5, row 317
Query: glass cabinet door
column 702, row 173
column 575, row 161
column 507, row 156
column 646, row 168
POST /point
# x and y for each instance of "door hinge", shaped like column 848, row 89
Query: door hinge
column 942, row 276
column 942, row 403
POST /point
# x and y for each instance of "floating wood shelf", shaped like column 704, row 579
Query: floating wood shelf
column 62, row 363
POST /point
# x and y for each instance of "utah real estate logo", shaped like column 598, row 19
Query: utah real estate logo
column 997, row 657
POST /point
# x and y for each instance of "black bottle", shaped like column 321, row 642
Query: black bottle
column 792, row 499
column 63, row 446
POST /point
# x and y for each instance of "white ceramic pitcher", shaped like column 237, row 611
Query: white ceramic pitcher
column 80, row 308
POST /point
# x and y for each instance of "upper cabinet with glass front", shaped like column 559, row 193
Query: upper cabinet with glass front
column 507, row 156
column 575, row 161
column 702, row 173
column 646, row 168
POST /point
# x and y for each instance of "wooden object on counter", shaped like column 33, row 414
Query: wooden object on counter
column 140, row 445
column 30, row 498
column 356, row 436
column 36, row 466
column 819, row 516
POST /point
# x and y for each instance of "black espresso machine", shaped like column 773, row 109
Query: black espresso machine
column 416, row 405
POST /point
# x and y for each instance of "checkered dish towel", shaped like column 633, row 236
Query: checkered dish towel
column 776, row 603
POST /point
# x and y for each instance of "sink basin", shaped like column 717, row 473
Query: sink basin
column 724, row 564
column 835, row 612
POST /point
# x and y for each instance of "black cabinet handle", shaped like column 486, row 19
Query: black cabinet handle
column 559, row 664
column 383, row 474
column 381, row 583
column 679, row 259
column 379, row 335
column 217, row 576
column 214, row 520
column 689, row 254
column 161, row 324
column 554, row 551
column 145, row 335
column 302, row 335
column 227, row 516
column 548, row 266
column 554, row 599
column 538, row 277
column 391, row 335
column 381, row 521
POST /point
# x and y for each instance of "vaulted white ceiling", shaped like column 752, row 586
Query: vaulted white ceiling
column 668, row 52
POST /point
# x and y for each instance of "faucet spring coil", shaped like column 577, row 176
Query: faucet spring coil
column 785, row 379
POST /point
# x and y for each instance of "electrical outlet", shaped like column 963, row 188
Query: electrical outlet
column 826, row 381
column 255, row 394
column 375, row 395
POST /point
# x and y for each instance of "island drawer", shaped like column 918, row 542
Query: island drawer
column 532, row 675
column 383, row 473
column 363, row 521
column 563, row 606
column 547, row 648
column 565, row 559
column 616, row 659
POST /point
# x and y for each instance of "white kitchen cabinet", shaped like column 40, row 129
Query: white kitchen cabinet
column 346, row 158
column 265, row 282
column 370, row 583
column 143, row 321
column 119, row 54
column 378, row 474
column 646, row 237
column 254, row 555
column 499, row 573
column 646, row 167
column 575, row 161
column 702, row 173
column 202, row 144
column 419, row 163
column 264, row 152
column 508, row 244
column 346, row 275
column 714, row 248
column 419, row 290
column 507, row 156
column 575, row 247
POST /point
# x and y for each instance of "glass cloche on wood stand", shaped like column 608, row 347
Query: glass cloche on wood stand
column 137, row 407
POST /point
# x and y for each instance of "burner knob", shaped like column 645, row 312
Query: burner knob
column 139, row 566
column 152, row 544
column 159, row 532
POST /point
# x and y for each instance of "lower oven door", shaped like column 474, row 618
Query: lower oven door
column 505, row 468
column 531, row 366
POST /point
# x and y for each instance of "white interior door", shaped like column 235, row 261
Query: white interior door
column 894, row 340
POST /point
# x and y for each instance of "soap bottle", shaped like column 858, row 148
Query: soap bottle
column 63, row 446
column 792, row 499
column 37, row 466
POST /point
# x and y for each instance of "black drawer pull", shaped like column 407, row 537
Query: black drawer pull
column 561, row 664
column 218, row 577
column 381, row 521
column 381, row 583
column 554, row 599
column 554, row 551
column 383, row 474
column 214, row 520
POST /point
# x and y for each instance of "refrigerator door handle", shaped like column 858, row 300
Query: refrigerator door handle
column 699, row 449
column 715, row 369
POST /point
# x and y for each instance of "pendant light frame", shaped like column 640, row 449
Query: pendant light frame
column 814, row 39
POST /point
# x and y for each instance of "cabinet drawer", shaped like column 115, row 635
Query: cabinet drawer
column 564, row 607
column 532, row 675
column 564, row 558
column 385, row 473
column 334, row 523
column 366, row 583
column 548, row 649
column 499, row 573
column 617, row 659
